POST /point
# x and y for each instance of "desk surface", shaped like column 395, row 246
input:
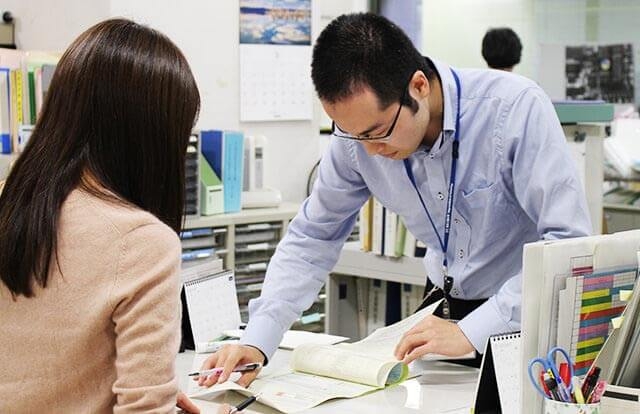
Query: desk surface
column 442, row 388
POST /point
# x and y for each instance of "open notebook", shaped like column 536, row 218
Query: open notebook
column 319, row 373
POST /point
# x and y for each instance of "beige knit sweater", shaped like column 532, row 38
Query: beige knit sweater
column 103, row 335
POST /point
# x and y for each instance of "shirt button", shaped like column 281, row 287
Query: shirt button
column 460, row 254
column 456, row 221
column 440, row 195
column 431, row 156
column 455, row 292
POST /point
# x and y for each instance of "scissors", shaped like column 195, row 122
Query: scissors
column 549, row 365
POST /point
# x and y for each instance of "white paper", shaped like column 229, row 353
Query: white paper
column 293, row 339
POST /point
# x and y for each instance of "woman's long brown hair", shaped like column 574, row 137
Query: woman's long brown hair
column 120, row 108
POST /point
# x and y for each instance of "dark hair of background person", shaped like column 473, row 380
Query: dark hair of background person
column 119, row 110
column 501, row 48
column 366, row 49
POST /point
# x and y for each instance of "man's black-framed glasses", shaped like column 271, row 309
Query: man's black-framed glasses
column 337, row 132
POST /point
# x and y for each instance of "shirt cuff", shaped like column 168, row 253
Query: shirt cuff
column 483, row 322
column 263, row 333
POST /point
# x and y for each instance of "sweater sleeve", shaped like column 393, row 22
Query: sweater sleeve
column 146, row 318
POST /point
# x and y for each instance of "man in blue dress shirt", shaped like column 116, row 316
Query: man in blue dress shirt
column 411, row 131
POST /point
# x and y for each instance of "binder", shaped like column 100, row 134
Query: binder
column 224, row 150
column 366, row 213
column 5, row 117
column 377, row 228
column 498, row 388
column 377, row 306
column 390, row 233
column 211, row 190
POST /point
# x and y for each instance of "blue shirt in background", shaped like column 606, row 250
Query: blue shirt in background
column 516, row 183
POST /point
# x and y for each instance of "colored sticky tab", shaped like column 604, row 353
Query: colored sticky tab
column 625, row 295
column 617, row 322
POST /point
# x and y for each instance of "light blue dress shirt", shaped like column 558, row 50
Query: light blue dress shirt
column 516, row 183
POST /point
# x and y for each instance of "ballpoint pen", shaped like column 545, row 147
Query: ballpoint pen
column 239, row 368
column 244, row 404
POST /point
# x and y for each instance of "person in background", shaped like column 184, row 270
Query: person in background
column 475, row 163
column 501, row 48
column 89, row 216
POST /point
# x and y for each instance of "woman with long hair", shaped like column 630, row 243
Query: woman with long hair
column 89, row 216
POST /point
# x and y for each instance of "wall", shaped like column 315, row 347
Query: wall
column 207, row 32
column 453, row 31
column 579, row 22
column 43, row 25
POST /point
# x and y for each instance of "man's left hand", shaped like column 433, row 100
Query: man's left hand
column 432, row 335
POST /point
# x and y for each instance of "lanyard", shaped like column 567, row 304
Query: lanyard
column 444, row 240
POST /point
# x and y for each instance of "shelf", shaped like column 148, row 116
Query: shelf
column 355, row 262
column 622, row 207
column 249, row 239
column 284, row 212
column 622, row 179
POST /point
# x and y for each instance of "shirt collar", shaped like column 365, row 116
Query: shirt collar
column 449, row 95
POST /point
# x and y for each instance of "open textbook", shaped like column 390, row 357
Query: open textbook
column 318, row 373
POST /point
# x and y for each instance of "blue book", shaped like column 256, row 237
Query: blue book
column 5, row 116
column 224, row 151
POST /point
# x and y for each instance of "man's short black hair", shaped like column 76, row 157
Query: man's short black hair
column 365, row 49
column 501, row 48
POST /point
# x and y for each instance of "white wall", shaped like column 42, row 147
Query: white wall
column 51, row 26
column 453, row 31
column 207, row 33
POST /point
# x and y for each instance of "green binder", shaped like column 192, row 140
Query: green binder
column 211, row 190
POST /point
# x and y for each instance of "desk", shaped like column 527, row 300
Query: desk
column 443, row 388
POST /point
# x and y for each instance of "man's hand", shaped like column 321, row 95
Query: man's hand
column 185, row 404
column 432, row 335
column 229, row 357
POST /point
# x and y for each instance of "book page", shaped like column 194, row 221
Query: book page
column 369, row 361
column 348, row 363
column 289, row 392
column 383, row 341
column 364, row 366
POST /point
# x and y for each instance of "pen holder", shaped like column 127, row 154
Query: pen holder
column 559, row 407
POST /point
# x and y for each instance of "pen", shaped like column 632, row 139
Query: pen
column 577, row 392
column 244, row 404
column 552, row 385
column 597, row 393
column 239, row 368
column 590, row 381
